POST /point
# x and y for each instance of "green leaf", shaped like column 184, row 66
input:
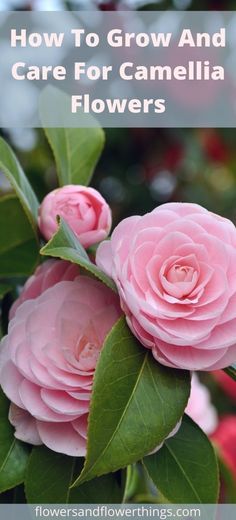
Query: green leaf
column 13, row 453
column 135, row 404
column 12, row 169
column 231, row 371
column 228, row 481
column 19, row 253
column 185, row 469
column 108, row 489
column 64, row 244
column 76, row 150
column 50, row 474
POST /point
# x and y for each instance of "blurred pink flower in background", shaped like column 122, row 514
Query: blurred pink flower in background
column 84, row 210
column 225, row 439
column 46, row 275
column 200, row 408
column 227, row 383
column 175, row 270
column 48, row 359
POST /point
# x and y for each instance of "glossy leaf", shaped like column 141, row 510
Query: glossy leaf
column 13, row 453
column 76, row 150
column 108, row 489
column 50, row 475
column 185, row 469
column 135, row 404
column 19, row 253
column 12, row 169
column 228, row 482
column 64, row 244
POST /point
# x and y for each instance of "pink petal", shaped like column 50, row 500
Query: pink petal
column 62, row 438
column 42, row 376
column 227, row 359
column 25, row 425
column 139, row 261
column 189, row 228
column 171, row 242
column 92, row 237
column 11, row 380
column 216, row 250
column 61, row 402
column 149, row 234
column 81, row 425
column 190, row 358
column 190, row 248
column 190, row 332
column 32, row 401
column 222, row 336
column 181, row 209
column 104, row 258
column 213, row 226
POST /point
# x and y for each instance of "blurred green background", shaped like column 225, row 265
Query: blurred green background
column 142, row 168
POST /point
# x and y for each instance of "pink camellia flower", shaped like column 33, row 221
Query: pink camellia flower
column 200, row 408
column 48, row 359
column 46, row 275
column 84, row 209
column 175, row 270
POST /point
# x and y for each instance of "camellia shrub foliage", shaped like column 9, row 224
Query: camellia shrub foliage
column 99, row 345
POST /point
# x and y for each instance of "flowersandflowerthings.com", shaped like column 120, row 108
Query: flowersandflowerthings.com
column 104, row 511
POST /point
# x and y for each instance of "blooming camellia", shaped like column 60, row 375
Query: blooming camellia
column 175, row 269
column 46, row 275
column 48, row 359
column 83, row 208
